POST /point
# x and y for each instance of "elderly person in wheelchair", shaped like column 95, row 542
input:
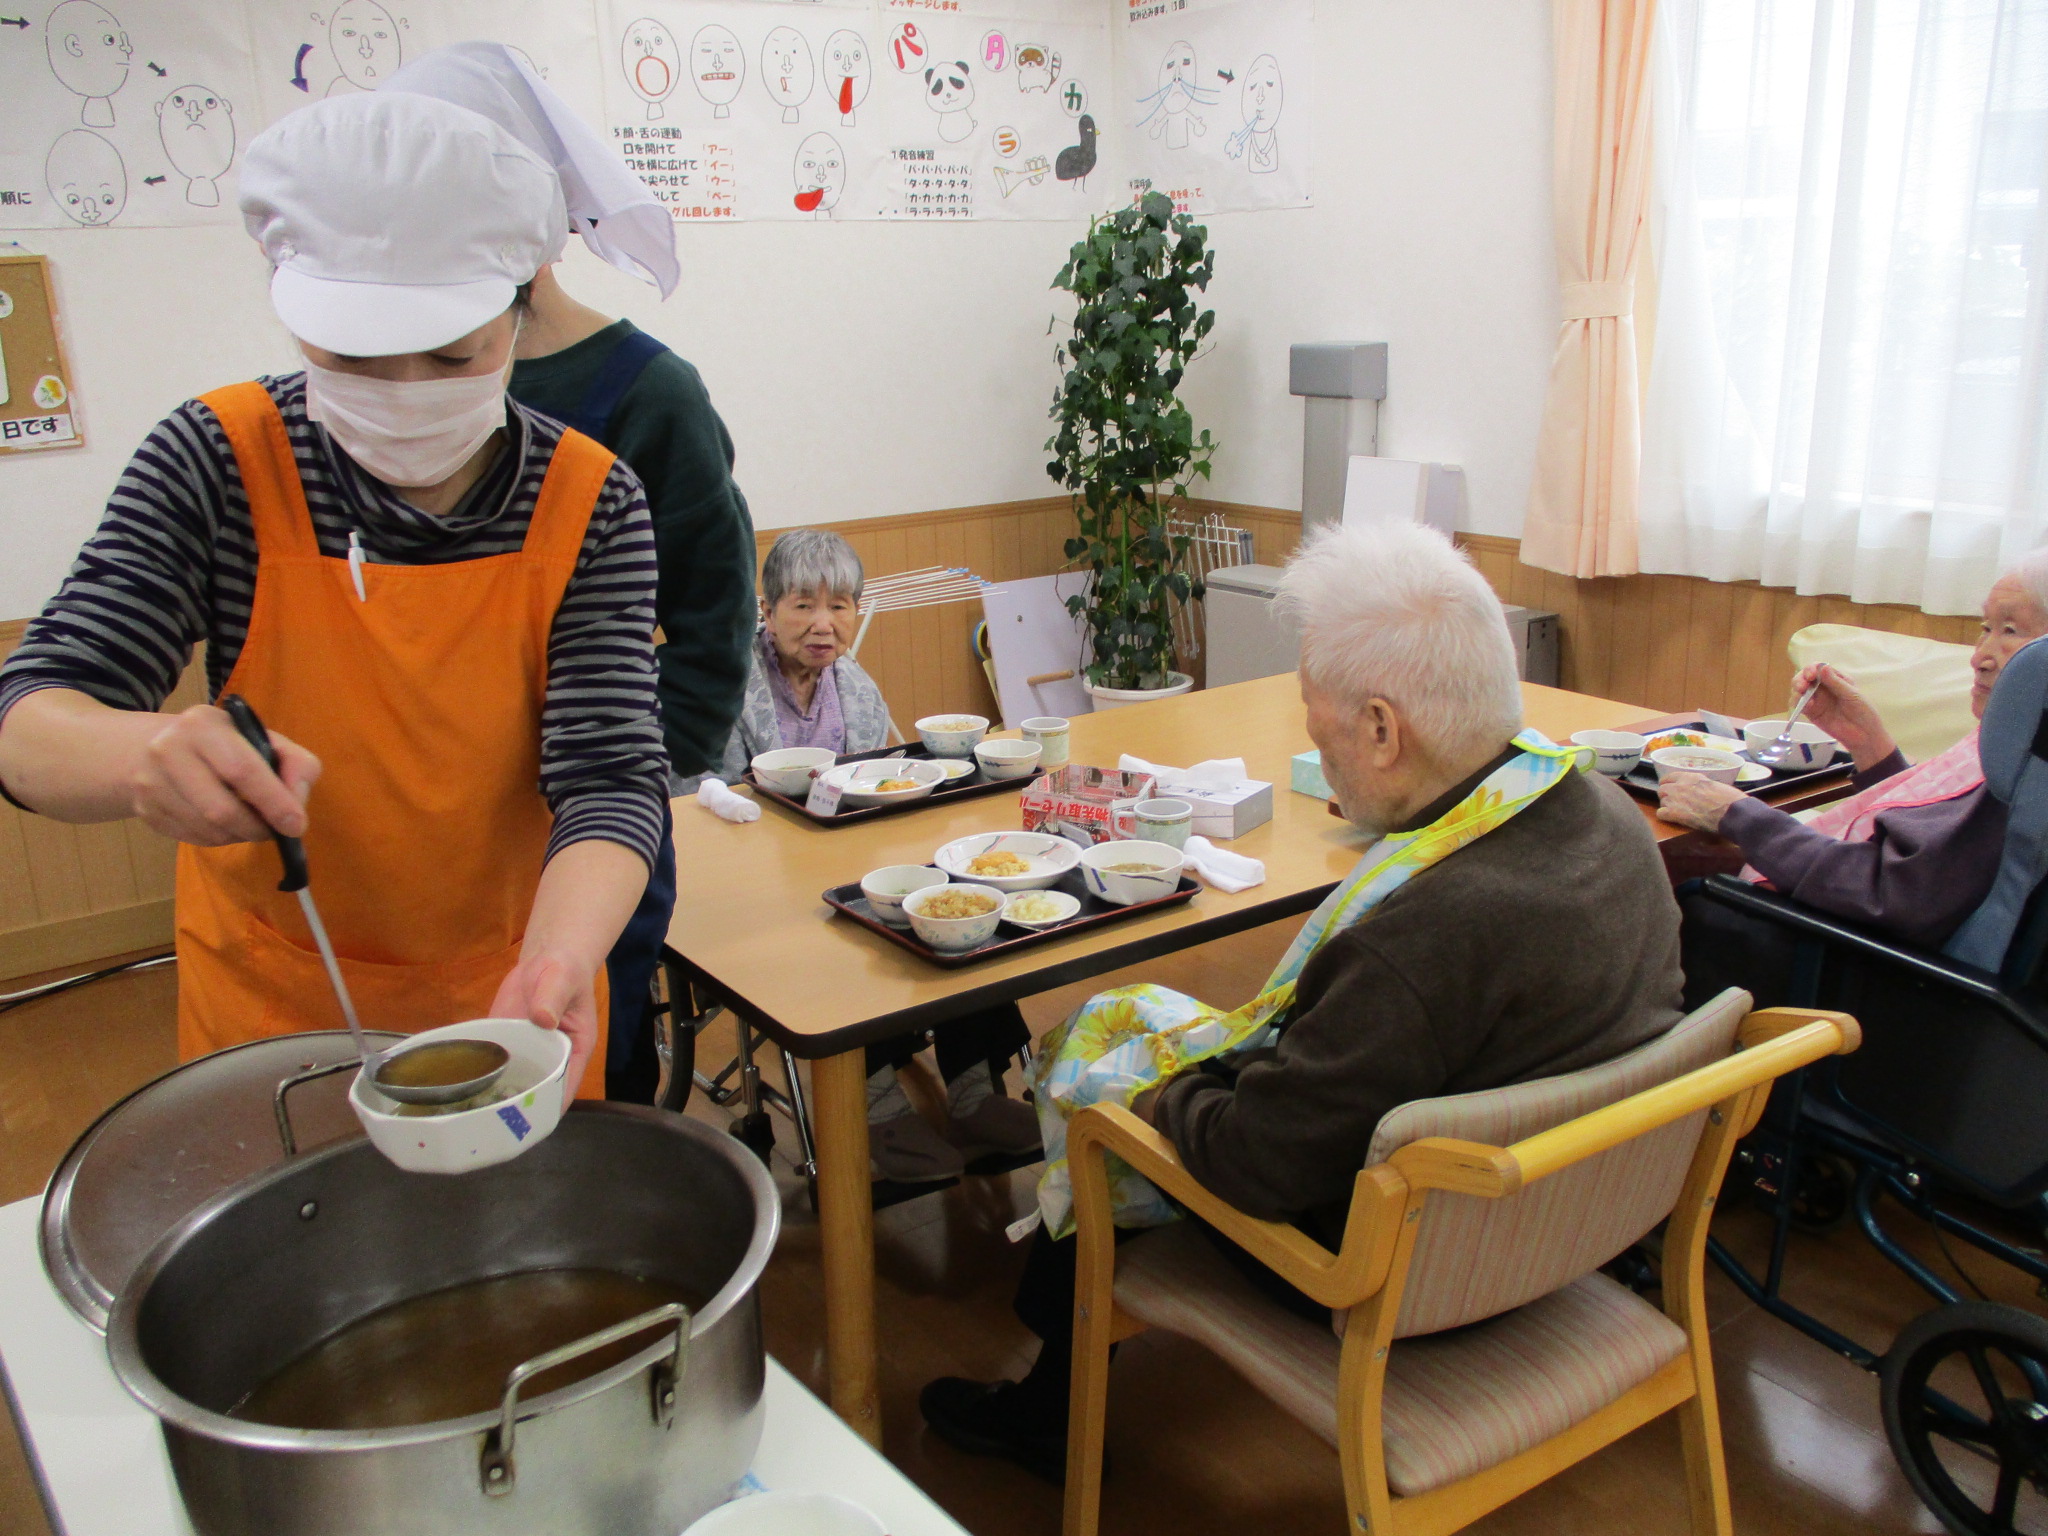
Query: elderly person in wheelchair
column 804, row 690
column 1910, row 854
column 1509, row 920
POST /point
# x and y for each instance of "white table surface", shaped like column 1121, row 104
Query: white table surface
column 100, row 1458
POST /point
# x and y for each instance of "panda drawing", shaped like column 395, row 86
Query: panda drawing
column 949, row 91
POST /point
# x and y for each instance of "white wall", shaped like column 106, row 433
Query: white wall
column 867, row 369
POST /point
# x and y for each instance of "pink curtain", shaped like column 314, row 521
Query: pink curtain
column 1582, row 503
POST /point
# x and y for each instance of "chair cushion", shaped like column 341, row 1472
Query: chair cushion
column 1455, row 1404
column 1474, row 1256
column 1920, row 688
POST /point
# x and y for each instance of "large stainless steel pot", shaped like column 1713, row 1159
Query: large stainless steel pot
column 266, row 1270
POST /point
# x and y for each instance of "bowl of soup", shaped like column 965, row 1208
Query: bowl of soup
column 1131, row 870
column 516, row 1113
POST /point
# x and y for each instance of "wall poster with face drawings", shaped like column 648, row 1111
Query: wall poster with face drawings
column 810, row 110
column 1216, row 102
column 122, row 113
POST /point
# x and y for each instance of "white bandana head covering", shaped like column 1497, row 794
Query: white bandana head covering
column 609, row 206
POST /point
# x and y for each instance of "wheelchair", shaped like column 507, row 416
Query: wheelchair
column 1940, row 1116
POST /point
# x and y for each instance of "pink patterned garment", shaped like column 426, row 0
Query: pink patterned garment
column 1942, row 777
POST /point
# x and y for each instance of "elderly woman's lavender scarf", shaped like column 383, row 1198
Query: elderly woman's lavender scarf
column 823, row 725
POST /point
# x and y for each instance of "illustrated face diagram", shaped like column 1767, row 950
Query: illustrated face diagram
column 719, row 66
column 1037, row 68
column 949, row 91
column 647, row 53
column 364, row 38
column 820, row 172
column 1169, row 110
column 86, row 177
column 848, row 72
column 787, row 69
column 1264, row 95
column 89, row 55
column 197, row 126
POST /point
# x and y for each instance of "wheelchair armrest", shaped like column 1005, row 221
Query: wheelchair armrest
column 1967, row 980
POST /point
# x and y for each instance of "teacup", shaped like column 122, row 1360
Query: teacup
column 1163, row 821
column 1614, row 752
column 1050, row 732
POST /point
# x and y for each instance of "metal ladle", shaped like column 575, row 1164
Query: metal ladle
column 437, row 1072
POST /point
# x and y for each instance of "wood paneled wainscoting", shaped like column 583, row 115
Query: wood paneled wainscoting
column 69, row 895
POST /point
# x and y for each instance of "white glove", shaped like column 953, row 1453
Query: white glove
column 1228, row 872
column 724, row 804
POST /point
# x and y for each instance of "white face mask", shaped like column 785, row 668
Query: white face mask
column 408, row 433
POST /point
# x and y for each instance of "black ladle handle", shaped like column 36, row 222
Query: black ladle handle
column 289, row 849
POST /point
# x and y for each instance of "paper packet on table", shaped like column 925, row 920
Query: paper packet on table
column 1084, row 805
column 1228, row 802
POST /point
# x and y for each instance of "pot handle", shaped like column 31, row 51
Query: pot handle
column 284, row 1114
column 497, row 1469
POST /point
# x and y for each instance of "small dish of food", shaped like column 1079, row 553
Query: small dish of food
column 954, row 917
column 1009, row 759
column 885, row 889
column 1707, row 762
column 1811, row 747
column 788, row 770
column 1752, row 773
column 1130, row 870
column 956, row 767
column 952, row 735
column 1040, row 909
column 885, row 781
column 1009, row 861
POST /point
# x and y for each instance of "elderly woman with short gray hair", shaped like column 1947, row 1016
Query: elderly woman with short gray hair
column 804, row 690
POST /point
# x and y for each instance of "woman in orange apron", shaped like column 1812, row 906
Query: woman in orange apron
column 439, row 603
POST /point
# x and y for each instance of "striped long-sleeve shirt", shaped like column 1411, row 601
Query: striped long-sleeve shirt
column 173, row 562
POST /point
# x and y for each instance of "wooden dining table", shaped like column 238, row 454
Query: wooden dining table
column 752, row 931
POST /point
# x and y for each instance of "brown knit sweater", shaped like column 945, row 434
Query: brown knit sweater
column 1548, row 945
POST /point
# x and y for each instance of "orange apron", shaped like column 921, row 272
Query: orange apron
column 427, row 830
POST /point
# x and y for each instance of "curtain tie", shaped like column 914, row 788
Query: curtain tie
column 1600, row 301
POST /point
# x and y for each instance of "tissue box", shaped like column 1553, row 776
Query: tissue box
column 1308, row 775
column 1084, row 805
column 1224, row 810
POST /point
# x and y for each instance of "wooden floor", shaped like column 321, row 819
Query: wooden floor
column 1194, row 1451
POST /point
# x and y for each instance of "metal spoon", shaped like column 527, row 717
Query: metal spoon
column 432, row 1066
column 1782, row 745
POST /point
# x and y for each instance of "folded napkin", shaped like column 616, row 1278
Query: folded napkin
column 1227, row 871
column 1216, row 773
column 724, row 804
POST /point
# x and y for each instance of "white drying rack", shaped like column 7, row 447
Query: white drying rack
column 934, row 586
column 1216, row 545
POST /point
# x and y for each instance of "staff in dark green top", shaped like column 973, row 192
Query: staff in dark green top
column 617, row 384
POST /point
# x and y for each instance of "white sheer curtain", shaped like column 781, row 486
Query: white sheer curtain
column 1849, row 385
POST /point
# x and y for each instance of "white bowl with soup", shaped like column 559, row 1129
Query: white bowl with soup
column 885, row 781
column 1129, row 871
column 1707, row 762
column 953, row 918
column 1009, row 861
column 518, row 1111
column 951, row 735
column 788, row 770
column 1008, row 759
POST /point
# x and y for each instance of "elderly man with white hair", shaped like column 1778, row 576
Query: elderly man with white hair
column 1510, row 919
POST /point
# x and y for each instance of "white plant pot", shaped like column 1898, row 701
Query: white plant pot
column 1119, row 698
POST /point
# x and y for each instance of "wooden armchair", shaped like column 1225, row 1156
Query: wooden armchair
column 1504, row 1202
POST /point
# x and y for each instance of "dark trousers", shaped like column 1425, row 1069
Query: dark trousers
column 1721, row 948
column 994, row 1035
column 631, row 1068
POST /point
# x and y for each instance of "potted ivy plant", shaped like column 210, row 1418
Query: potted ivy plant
column 1125, row 445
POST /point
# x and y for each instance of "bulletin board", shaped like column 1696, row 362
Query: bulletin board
column 36, row 408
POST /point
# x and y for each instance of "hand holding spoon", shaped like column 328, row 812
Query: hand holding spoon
column 1781, row 746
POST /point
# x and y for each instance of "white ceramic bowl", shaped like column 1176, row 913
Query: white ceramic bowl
column 1707, row 762
column 885, row 889
column 1009, row 759
column 951, row 735
column 1049, row 857
column 789, row 1514
column 1067, row 906
column 1614, row 752
column 1811, row 747
column 465, row 1140
column 1671, row 738
column 1123, row 887
column 788, row 770
column 953, row 934
column 857, row 781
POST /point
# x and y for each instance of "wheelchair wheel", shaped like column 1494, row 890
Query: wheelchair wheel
column 1965, row 1395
